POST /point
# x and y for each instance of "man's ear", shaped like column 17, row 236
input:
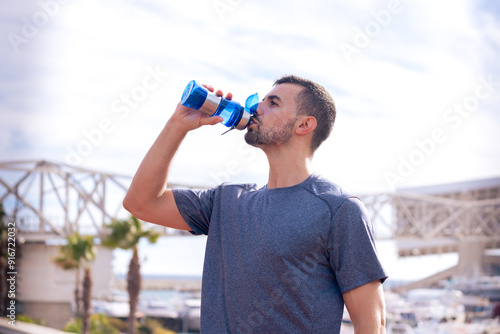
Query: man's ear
column 306, row 124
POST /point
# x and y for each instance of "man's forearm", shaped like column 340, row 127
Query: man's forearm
column 150, row 180
column 147, row 196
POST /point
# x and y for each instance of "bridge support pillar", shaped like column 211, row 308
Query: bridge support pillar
column 470, row 257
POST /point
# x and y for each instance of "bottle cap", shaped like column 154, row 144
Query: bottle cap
column 252, row 103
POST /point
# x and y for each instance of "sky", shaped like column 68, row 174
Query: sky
column 416, row 84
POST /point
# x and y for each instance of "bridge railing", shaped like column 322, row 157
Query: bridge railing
column 430, row 217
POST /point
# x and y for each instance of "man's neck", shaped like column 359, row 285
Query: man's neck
column 287, row 168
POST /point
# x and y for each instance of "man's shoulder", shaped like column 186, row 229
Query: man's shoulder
column 326, row 190
column 324, row 187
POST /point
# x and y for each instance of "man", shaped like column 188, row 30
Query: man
column 283, row 258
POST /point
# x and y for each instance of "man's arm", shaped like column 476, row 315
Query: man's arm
column 366, row 307
column 148, row 197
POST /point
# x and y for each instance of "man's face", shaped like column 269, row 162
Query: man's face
column 275, row 117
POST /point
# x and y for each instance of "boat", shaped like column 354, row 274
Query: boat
column 158, row 309
column 190, row 315
column 439, row 311
column 114, row 305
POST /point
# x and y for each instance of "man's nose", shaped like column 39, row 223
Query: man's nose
column 258, row 111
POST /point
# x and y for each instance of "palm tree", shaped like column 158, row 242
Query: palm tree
column 126, row 234
column 66, row 261
column 78, row 252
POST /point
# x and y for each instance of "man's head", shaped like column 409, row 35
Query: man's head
column 313, row 100
column 293, row 99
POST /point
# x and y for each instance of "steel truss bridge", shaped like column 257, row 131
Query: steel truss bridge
column 49, row 200
column 52, row 200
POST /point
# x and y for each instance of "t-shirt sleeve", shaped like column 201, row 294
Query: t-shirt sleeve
column 353, row 254
column 195, row 206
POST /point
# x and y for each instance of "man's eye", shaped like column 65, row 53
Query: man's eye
column 273, row 103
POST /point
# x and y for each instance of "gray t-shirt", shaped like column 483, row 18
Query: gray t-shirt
column 279, row 260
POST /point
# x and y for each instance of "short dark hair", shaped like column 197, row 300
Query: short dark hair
column 314, row 100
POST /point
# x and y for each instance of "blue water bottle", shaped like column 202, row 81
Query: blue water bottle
column 233, row 114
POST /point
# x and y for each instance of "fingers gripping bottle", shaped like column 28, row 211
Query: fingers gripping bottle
column 233, row 114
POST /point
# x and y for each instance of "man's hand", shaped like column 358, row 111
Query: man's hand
column 189, row 119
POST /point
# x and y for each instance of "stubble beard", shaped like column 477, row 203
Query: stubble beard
column 274, row 136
